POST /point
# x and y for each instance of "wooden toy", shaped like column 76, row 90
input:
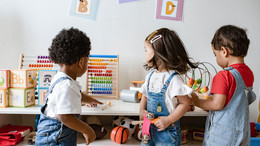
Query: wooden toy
column 41, row 96
column 23, row 78
column 21, row 97
column 4, row 79
column 203, row 82
column 119, row 134
column 45, row 77
column 102, row 76
column 3, row 98
column 40, row 62
column 106, row 106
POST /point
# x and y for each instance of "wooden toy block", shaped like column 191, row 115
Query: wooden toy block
column 23, row 78
column 45, row 77
column 21, row 97
column 41, row 96
column 4, row 79
column 3, row 98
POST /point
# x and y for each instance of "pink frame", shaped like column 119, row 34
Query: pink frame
column 178, row 15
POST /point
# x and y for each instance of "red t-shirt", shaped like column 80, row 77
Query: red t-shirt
column 224, row 83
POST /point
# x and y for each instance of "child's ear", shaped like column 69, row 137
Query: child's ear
column 82, row 62
column 224, row 51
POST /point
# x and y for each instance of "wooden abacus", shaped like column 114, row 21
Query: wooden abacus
column 36, row 62
column 102, row 76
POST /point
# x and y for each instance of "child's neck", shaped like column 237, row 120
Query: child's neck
column 161, row 69
column 68, row 70
column 235, row 60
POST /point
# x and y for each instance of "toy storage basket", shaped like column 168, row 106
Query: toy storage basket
column 255, row 141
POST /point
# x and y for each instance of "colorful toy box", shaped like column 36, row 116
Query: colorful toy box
column 45, row 77
column 41, row 96
column 4, row 79
column 44, row 81
column 23, row 78
column 21, row 97
column 3, row 98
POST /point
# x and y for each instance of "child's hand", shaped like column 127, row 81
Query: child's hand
column 90, row 136
column 142, row 114
column 89, row 101
column 162, row 123
column 194, row 98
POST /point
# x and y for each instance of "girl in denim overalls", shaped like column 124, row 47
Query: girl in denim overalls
column 59, row 121
column 228, row 120
column 164, row 92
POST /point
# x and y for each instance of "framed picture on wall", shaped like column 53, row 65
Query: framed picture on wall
column 169, row 9
column 84, row 8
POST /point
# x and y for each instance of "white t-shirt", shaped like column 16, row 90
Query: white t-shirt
column 65, row 97
column 175, row 88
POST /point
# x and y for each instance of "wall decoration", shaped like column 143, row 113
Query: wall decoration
column 169, row 9
column 84, row 8
column 126, row 1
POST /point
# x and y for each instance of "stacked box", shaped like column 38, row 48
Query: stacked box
column 44, row 81
column 4, row 85
column 22, row 92
column 3, row 98
column 19, row 97
column 4, row 79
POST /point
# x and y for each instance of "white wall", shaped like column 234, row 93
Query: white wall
column 28, row 26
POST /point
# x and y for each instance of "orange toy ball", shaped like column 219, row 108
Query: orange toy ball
column 119, row 134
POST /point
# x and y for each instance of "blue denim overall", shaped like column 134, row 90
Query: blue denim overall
column 230, row 126
column 52, row 132
column 171, row 136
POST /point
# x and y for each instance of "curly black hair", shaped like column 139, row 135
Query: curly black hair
column 169, row 52
column 69, row 46
column 232, row 37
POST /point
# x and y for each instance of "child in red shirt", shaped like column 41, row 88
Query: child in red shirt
column 228, row 119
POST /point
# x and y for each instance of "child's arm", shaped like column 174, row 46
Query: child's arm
column 75, row 123
column 217, row 102
column 181, row 109
column 143, row 107
column 87, row 100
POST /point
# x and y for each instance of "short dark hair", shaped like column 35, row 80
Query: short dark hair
column 169, row 51
column 233, row 38
column 69, row 46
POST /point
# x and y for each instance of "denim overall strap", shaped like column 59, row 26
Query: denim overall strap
column 171, row 136
column 149, row 80
column 51, row 131
column 230, row 125
column 166, row 84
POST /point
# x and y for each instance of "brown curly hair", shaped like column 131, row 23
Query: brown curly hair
column 69, row 46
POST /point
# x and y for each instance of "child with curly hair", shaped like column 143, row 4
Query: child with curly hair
column 59, row 120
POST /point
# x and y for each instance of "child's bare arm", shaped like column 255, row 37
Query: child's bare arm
column 89, row 100
column 217, row 102
column 143, row 107
column 75, row 123
column 181, row 109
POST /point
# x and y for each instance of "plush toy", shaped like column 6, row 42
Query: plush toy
column 100, row 131
column 138, row 133
column 127, row 123
column 117, row 120
column 93, row 120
